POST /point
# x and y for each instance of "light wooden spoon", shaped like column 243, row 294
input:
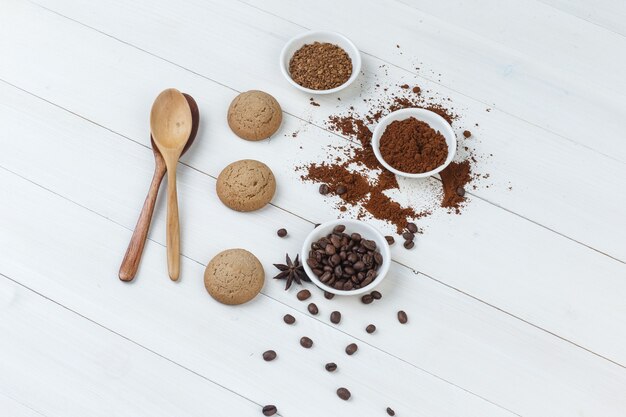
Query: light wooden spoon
column 130, row 263
column 170, row 125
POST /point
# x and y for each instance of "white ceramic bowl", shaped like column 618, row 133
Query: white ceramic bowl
column 352, row 226
column 433, row 119
column 299, row 41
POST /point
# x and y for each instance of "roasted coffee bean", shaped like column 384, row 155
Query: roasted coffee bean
column 367, row 281
column 313, row 309
column 368, row 244
column 335, row 241
column 352, row 257
column 330, row 250
column 341, row 190
column 269, row 355
column 281, row 232
column 358, row 266
column 390, row 411
column 378, row 258
column 328, row 295
column 335, row 260
column 318, row 272
column 343, row 393
column 335, row 317
column 312, row 263
column 339, row 228
column 367, row 299
column 338, row 285
column 408, row 236
column 376, row 295
column 355, row 280
column 348, row 286
column 402, row 317
column 269, row 410
column 460, row 191
column 390, row 240
column 412, row 227
column 356, row 237
column 409, row 244
column 289, row 319
column 349, row 271
column 326, row 276
column 324, row 189
column 331, row 366
column 370, row 328
column 305, row 342
column 303, row 294
column 338, row 271
column 351, row 348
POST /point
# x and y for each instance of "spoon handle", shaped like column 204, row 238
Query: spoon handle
column 173, row 228
column 130, row 264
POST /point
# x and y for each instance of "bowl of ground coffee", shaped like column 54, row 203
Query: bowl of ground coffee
column 320, row 62
column 414, row 142
column 346, row 257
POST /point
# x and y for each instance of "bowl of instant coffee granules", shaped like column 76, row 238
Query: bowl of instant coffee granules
column 346, row 257
column 320, row 62
column 414, row 142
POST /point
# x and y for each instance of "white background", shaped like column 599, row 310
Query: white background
column 516, row 307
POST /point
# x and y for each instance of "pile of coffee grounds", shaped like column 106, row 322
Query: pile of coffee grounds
column 364, row 182
column 320, row 66
column 412, row 146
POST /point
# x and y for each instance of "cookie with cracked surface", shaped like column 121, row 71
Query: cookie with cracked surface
column 234, row 276
column 254, row 115
column 246, row 185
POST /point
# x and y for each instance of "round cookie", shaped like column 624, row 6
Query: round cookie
column 234, row 276
column 254, row 115
column 246, row 185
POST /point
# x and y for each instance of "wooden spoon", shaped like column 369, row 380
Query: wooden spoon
column 170, row 125
column 130, row 264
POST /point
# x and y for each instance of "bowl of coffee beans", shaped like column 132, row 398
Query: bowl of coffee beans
column 320, row 62
column 414, row 142
column 346, row 257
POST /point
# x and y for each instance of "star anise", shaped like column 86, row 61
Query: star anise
column 291, row 271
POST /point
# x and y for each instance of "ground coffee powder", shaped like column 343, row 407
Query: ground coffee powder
column 320, row 66
column 412, row 146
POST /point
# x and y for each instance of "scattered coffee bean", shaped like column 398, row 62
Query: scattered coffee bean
column 390, row 411
column 305, row 342
column 344, row 261
column 282, row 232
column 341, row 190
column 324, row 189
column 269, row 410
column 467, row 134
column 328, row 295
column 376, row 295
column 343, row 393
column 351, row 348
column 289, row 319
column 409, row 244
column 313, row 309
column 370, row 328
column 390, row 240
column 331, row 366
column 412, row 227
column 367, row 299
column 335, row 317
column 408, row 236
column 269, row 355
column 460, row 191
column 303, row 294
column 402, row 317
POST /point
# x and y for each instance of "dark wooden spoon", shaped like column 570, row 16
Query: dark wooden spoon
column 130, row 264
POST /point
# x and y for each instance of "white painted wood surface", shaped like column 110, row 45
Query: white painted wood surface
column 516, row 307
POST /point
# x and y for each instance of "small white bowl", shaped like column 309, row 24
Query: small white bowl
column 299, row 41
column 433, row 119
column 352, row 226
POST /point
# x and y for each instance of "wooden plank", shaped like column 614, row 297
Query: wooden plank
column 451, row 335
column 609, row 14
column 182, row 323
column 60, row 364
column 215, row 39
column 570, row 197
